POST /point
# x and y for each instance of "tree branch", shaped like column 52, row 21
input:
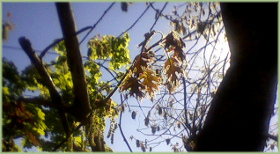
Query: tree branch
column 81, row 105
column 39, row 101
column 275, row 138
column 46, row 80
column 61, row 39
column 120, row 126
column 135, row 21
column 105, row 12
column 158, row 16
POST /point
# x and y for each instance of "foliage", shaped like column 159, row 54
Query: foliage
column 19, row 119
column 110, row 47
column 35, row 119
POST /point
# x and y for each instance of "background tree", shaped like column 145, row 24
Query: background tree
column 70, row 87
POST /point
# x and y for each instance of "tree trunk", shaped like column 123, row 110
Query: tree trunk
column 81, row 107
column 239, row 116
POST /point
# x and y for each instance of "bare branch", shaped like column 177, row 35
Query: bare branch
column 61, row 39
column 135, row 21
column 158, row 16
column 275, row 138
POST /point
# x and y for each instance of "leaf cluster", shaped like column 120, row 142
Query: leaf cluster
column 112, row 47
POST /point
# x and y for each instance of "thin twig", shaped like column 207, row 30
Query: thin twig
column 105, row 12
column 158, row 16
column 120, row 126
column 135, row 21
column 61, row 39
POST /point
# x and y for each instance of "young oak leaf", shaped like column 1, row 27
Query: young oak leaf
column 171, row 68
column 151, row 81
column 132, row 85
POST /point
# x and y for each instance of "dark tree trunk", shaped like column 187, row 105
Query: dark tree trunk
column 81, row 108
column 239, row 115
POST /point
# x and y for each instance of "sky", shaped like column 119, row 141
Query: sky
column 39, row 23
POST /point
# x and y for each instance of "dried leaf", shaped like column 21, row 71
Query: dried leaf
column 151, row 81
column 165, row 115
column 5, row 32
column 146, row 121
column 272, row 146
column 124, row 6
column 122, row 108
column 192, row 144
column 137, row 143
column 159, row 110
column 149, row 113
column 133, row 114
column 179, row 125
column 171, row 68
column 132, row 85
column 143, row 149
column 141, row 63
column 174, row 39
column 154, row 129
column 201, row 27
column 179, row 54
column 167, row 141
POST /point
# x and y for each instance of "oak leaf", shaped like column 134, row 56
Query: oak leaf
column 132, row 85
column 179, row 54
column 151, row 81
column 173, row 39
column 172, row 70
column 141, row 62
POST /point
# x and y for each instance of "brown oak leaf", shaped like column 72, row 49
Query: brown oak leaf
column 132, row 85
column 151, row 81
column 141, row 62
column 179, row 54
column 173, row 39
column 171, row 68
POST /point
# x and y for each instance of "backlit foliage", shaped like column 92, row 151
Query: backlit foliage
column 34, row 118
column 144, row 79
